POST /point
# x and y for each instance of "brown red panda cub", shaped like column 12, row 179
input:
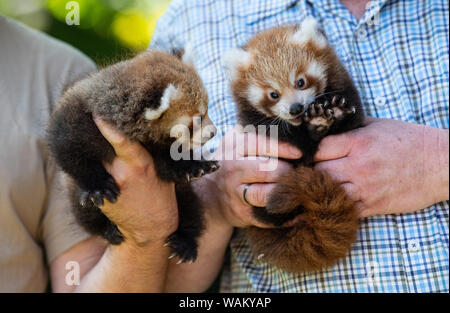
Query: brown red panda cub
column 290, row 76
column 143, row 97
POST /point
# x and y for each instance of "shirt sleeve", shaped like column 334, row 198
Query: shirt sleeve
column 60, row 231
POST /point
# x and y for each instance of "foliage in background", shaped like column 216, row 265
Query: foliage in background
column 109, row 30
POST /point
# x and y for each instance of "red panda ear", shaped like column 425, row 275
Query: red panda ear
column 170, row 93
column 235, row 59
column 188, row 55
column 309, row 32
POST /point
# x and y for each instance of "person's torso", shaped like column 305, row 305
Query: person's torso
column 397, row 55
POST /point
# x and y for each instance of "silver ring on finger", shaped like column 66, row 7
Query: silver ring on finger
column 245, row 194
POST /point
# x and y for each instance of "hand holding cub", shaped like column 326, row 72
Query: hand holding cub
column 389, row 166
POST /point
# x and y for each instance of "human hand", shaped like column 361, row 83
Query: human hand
column 245, row 161
column 388, row 166
column 146, row 210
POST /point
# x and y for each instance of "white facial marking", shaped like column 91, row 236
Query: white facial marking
column 184, row 120
column 233, row 59
column 203, row 109
column 292, row 77
column 282, row 107
column 169, row 94
column 305, row 97
column 317, row 70
column 309, row 31
column 274, row 85
column 255, row 94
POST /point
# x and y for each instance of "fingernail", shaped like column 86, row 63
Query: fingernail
column 294, row 151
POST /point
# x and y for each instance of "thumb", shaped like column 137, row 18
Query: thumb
column 333, row 147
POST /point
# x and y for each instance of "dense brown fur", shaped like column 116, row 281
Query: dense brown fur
column 325, row 230
column 325, row 217
column 144, row 98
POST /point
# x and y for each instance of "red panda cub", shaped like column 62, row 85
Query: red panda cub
column 144, row 98
column 291, row 77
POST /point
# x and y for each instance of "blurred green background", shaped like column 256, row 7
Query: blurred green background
column 109, row 30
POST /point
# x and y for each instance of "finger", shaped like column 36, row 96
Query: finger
column 261, row 170
column 369, row 120
column 337, row 169
column 131, row 152
column 251, row 144
column 352, row 191
column 256, row 194
column 333, row 147
column 363, row 210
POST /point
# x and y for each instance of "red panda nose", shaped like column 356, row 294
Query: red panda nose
column 296, row 109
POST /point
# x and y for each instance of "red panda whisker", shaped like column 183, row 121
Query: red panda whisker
column 327, row 93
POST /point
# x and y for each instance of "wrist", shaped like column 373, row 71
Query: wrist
column 148, row 236
column 129, row 251
column 443, row 146
column 133, row 268
column 438, row 158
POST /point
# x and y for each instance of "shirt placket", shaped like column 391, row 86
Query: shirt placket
column 364, row 30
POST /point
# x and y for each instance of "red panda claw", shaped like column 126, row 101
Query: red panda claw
column 334, row 100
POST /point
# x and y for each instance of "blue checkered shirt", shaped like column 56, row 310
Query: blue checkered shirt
column 397, row 54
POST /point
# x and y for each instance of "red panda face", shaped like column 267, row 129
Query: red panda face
column 282, row 71
column 182, row 115
column 181, row 112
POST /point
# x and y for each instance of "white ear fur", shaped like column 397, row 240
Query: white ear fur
column 188, row 55
column 309, row 24
column 233, row 59
column 169, row 94
column 309, row 31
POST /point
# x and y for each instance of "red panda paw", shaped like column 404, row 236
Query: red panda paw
column 319, row 117
column 197, row 169
column 106, row 189
column 341, row 107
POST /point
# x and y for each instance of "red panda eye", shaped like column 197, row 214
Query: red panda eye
column 274, row 95
column 301, row 83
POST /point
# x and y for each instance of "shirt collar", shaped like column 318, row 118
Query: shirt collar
column 373, row 9
column 335, row 7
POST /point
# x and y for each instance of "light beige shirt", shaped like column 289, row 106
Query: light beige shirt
column 35, row 220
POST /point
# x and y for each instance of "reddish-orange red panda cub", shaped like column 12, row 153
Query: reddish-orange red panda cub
column 290, row 76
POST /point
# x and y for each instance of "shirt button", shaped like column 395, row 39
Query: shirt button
column 361, row 33
column 413, row 245
column 380, row 102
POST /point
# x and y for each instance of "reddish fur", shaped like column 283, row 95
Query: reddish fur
column 274, row 55
column 326, row 229
column 323, row 235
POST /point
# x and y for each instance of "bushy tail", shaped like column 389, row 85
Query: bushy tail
column 324, row 231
